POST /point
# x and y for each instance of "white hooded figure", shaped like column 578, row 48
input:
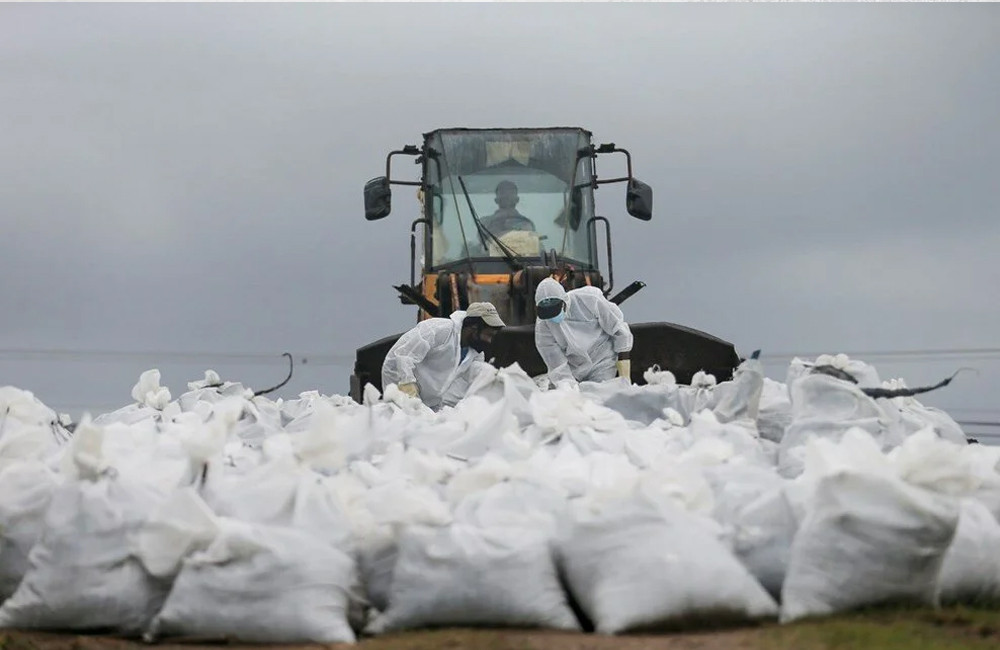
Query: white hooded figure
column 585, row 338
column 437, row 359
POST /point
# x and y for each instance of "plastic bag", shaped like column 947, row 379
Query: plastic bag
column 262, row 584
column 633, row 566
column 824, row 407
column 25, row 491
column 970, row 573
column 83, row 573
column 867, row 539
column 464, row 575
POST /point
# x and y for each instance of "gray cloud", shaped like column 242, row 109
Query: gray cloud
column 188, row 177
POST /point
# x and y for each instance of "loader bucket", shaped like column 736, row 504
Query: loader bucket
column 681, row 350
column 368, row 365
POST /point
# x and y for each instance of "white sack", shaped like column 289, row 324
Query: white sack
column 824, row 407
column 739, row 398
column 83, row 574
column 280, row 493
column 775, row 412
column 762, row 537
column 909, row 416
column 867, row 539
column 515, row 504
column 179, row 526
column 971, row 570
column 25, row 491
column 262, row 584
column 461, row 575
column 758, row 520
column 634, row 566
column 28, row 428
column 378, row 516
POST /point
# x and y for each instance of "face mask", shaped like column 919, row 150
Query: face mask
column 558, row 318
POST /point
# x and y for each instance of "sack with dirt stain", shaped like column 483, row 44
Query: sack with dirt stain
column 633, row 565
column 262, row 584
column 83, row 573
column 867, row 538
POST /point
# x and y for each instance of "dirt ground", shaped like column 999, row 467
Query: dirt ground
column 450, row 639
column 954, row 628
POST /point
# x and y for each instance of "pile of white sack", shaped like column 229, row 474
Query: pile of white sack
column 606, row 507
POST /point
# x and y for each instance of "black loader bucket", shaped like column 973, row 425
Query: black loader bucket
column 681, row 350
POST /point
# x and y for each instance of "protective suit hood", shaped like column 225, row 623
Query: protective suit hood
column 549, row 288
column 585, row 344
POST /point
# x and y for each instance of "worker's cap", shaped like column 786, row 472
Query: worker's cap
column 486, row 311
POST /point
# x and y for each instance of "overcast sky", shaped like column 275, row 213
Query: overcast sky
column 185, row 181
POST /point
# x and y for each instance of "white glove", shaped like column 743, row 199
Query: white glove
column 410, row 388
column 625, row 369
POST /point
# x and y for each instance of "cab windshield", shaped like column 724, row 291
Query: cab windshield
column 520, row 186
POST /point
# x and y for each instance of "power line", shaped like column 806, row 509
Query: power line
column 973, row 409
column 46, row 354
column 69, row 354
column 893, row 360
column 93, row 409
column 923, row 354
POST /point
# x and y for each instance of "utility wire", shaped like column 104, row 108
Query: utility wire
column 973, row 413
column 69, row 354
column 926, row 353
column 978, row 423
column 45, row 354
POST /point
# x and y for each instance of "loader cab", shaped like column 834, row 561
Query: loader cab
column 471, row 179
column 501, row 209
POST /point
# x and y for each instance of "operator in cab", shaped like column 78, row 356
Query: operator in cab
column 507, row 218
column 435, row 360
column 515, row 233
column 580, row 334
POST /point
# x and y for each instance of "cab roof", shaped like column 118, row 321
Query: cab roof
column 533, row 129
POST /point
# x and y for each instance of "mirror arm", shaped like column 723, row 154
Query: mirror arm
column 408, row 150
column 592, row 231
column 611, row 148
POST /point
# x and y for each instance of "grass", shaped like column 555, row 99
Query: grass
column 891, row 629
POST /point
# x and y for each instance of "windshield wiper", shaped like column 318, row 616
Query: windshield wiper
column 507, row 253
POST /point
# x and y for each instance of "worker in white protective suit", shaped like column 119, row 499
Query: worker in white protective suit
column 437, row 359
column 580, row 334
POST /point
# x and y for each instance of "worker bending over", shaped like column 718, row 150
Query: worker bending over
column 580, row 334
column 434, row 359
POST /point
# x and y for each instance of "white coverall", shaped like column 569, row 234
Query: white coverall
column 430, row 354
column 585, row 345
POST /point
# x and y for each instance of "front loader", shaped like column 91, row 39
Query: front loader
column 466, row 255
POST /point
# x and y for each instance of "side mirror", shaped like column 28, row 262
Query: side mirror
column 378, row 198
column 639, row 200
